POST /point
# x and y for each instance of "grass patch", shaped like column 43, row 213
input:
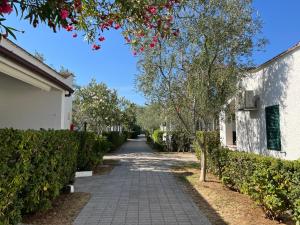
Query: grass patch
column 218, row 203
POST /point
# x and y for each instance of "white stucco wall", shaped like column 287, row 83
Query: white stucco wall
column 24, row 106
column 276, row 84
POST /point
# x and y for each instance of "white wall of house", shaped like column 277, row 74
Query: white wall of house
column 276, row 83
column 24, row 106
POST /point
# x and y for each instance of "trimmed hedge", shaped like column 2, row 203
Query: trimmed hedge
column 115, row 138
column 91, row 150
column 36, row 165
column 272, row 183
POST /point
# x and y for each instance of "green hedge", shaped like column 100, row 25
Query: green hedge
column 115, row 138
column 91, row 150
column 272, row 183
column 36, row 165
column 157, row 140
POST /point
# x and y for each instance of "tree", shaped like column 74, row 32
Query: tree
column 196, row 73
column 92, row 17
column 102, row 109
column 96, row 105
column 149, row 117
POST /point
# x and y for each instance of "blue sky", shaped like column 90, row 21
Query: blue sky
column 115, row 65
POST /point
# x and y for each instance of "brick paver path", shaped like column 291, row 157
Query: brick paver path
column 139, row 191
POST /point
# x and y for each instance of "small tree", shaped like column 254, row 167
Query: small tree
column 196, row 73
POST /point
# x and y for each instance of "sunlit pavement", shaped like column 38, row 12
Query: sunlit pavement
column 140, row 190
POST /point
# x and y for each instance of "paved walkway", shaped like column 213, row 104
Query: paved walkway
column 139, row 191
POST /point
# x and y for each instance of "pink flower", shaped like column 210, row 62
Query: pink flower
column 96, row 47
column 117, row 26
column 5, row 7
column 152, row 45
column 69, row 28
column 155, row 39
column 101, row 38
column 152, row 10
column 134, row 53
column 74, row 35
column 64, row 14
column 127, row 40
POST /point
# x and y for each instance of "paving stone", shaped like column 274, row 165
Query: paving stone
column 141, row 190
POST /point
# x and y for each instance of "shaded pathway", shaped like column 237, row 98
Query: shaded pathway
column 139, row 191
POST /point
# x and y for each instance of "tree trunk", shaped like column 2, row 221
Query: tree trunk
column 203, row 166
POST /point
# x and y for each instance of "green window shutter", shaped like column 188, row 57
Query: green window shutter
column 273, row 128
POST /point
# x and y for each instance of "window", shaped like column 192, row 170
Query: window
column 273, row 127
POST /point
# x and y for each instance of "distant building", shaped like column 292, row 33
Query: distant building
column 32, row 94
column 265, row 117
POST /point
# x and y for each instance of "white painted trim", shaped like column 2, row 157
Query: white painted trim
column 84, row 174
column 10, row 68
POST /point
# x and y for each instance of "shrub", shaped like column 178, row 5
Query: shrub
column 34, row 167
column 272, row 183
column 157, row 139
column 115, row 138
column 91, row 150
column 179, row 141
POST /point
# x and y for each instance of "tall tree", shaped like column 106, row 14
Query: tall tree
column 197, row 72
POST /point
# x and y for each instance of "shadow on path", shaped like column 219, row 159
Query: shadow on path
column 140, row 190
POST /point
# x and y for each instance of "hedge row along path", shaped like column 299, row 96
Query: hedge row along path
column 141, row 190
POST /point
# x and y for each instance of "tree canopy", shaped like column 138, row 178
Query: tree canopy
column 137, row 18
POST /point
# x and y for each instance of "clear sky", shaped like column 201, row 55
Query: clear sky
column 115, row 65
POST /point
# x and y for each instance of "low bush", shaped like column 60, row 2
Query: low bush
column 34, row 167
column 115, row 138
column 157, row 140
column 91, row 150
column 179, row 141
column 272, row 183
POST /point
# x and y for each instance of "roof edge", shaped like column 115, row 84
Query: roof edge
column 21, row 61
column 280, row 55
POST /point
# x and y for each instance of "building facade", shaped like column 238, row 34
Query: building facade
column 32, row 94
column 265, row 117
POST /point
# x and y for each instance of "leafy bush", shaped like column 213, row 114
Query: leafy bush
column 91, row 150
column 179, row 141
column 272, row 183
column 115, row 138
column 34, row 167
column 157, row 139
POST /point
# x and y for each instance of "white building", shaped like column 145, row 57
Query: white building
column 266, row 115
column 32, row 95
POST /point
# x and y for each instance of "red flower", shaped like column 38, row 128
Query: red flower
column 96, row 47
column 64, row 14
column 69, row 28
column 142, row 49
column 101, row 38
column 152, row 45
column 74, row 35
column 155, row 39
column 152, row 10
column 127, row 40
column 117, row 26
column 176, row 33
column 5, row 7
